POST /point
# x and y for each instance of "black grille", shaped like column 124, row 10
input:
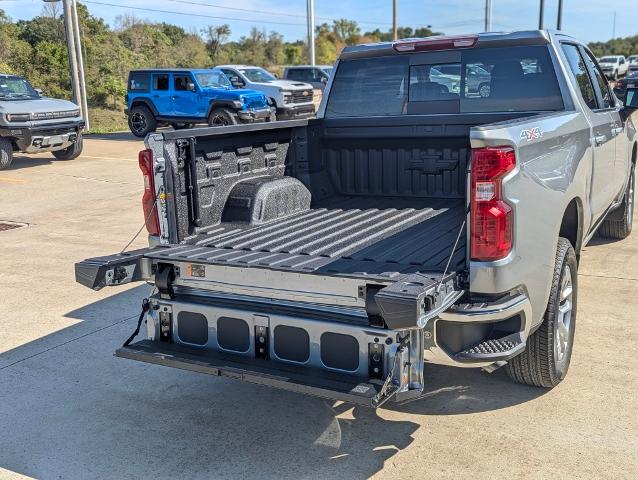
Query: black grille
column 301, row 96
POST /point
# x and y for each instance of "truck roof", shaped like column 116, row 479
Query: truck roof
column 526, row 37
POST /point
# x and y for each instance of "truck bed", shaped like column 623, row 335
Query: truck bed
column 361, row 237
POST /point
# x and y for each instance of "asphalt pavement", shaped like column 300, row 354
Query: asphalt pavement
column 70, row 410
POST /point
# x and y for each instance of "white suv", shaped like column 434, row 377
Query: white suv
column 292, row 99
column 614, row 66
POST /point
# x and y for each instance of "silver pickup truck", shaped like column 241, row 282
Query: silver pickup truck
column 406, row 224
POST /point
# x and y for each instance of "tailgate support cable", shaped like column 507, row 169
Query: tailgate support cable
column 456, row 243
column 146, row 305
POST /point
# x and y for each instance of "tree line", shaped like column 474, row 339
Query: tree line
column 37, row 49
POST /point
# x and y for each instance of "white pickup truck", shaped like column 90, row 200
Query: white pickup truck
column 292, row 99
column 406, row 223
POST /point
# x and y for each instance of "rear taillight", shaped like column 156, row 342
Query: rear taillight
column 490, row 217
column 435, row 43
column 145, row 159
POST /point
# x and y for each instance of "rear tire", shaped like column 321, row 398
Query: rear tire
column 546, row 358
column 618, row 224
column 141, row 121
column 221, row 117
column 6, row 153
column 71, row 152
column 484, row 90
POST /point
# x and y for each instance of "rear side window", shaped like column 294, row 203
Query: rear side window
column 160, row 82
column 577, row 66
column 502, row 79
column 300, row 74
column 603, row 86
column 139, row 82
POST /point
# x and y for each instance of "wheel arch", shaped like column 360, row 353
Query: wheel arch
column 221, row 104
column 139, row 102
column 571, row 226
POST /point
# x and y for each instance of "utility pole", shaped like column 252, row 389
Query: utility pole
column 310, row 4
column 559, row 19
column 73, row 61
column 488, row 15
column 541, row 16
column 395, row 31
column 80, row 58
column 613, row 30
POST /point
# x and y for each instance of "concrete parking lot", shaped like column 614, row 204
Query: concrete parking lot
column 69, row 409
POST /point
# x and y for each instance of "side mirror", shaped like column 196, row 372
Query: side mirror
column 236, row 82
column 324, row 79
column 38, row 91
column 190, row 87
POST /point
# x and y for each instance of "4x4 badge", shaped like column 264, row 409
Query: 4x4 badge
column 531, row 133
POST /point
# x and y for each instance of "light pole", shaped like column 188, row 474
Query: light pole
column 559, row 19
column 488, row 15
column 310, row 4
column 541, row 16
column 74, row 48
column 80, row 60
column 395, row 31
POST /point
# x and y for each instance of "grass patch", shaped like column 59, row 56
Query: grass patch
column 105, row 120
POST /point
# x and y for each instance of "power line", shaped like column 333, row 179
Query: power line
column 263, row 12
column 200, row 15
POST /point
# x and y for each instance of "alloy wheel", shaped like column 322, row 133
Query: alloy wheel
column 562, row 330
column 138, row 122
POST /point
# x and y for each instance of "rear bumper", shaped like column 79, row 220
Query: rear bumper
column 479, row 335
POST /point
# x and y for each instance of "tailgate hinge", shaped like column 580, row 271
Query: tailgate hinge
column 163, row 280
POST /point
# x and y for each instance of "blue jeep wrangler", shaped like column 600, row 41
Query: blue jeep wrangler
column 182, row 97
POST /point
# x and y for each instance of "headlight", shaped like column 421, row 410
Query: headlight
column 18, row 117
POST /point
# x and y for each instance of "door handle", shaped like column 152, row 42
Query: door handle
column 600, row 139
column 174, row 97
column 616, row 131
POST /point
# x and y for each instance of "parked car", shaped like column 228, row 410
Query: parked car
column 477, row 79
column 621, row 86
column 632, row 63
column 316, row 75
column 32, row 123
column 614, row 66
column 332, row 256
column 291, row 99
column 184, row 97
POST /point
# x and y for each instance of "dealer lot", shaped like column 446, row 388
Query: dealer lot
column 69, row 409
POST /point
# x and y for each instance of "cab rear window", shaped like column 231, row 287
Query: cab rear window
column 503, row 79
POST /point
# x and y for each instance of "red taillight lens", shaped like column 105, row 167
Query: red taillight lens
column 491, row 217
column 145, row 159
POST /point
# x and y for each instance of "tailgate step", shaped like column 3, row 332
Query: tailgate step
column 309, row 381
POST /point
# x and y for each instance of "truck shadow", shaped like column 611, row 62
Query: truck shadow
column 69, row 407
column 21, row 161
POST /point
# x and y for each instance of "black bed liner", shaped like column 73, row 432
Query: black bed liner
column 351, row 239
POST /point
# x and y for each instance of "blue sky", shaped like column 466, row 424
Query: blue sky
column 589, row 20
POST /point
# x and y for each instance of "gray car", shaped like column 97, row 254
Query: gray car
column 315, row 75
column 32, row 123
